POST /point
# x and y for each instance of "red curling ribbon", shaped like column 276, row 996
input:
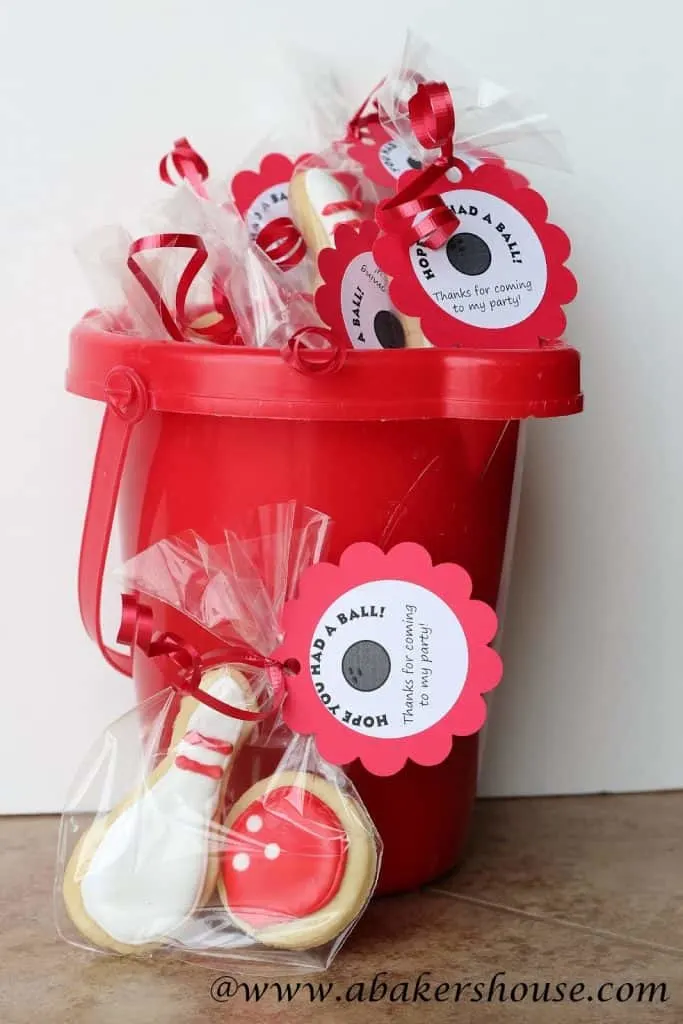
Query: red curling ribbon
column 282, row 242
column 178, row 322
column 366, row 115
column 188, row 164
column 314, row 360
column 432, row 120
column 136, row 630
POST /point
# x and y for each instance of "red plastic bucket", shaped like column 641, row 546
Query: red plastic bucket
column 415, row 445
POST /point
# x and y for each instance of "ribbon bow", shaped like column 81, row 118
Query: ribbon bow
column 188, row 164
column 282, row 242
column 136, row 631
column 432, row 120
column 215, row 322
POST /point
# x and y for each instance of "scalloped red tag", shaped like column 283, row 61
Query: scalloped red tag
column 383, row 158
column 353, row 298
column 500, row 280
column 262, row 196
column 394, row 657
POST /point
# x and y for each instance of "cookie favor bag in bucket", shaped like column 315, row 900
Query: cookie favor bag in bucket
column 177, row 838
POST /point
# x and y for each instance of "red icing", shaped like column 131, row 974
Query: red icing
column 304, row 876
column 195, row 738
column 212, row 771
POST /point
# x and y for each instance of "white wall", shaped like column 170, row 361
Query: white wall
column 90, row 97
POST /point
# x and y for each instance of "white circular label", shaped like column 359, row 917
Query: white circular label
column 389, row 659
column 492, row 272
column 368, row 314
column 396, row 158
column 272, row 203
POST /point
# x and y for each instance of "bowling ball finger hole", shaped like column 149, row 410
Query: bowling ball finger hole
column 468, row 254
column 291, row 667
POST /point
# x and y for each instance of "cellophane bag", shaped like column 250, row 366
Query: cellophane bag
column 169, row 844
column 268, row 305
column 492, row 122
column 194, row 276
column 173, row 278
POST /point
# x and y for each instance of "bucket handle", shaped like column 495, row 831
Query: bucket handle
column 127, row 402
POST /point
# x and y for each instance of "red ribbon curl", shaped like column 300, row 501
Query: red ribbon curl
column 310, row 360
column 136, row 631
column 222, row 325
column 282, row 242
column 432, row 120
column 188, row 164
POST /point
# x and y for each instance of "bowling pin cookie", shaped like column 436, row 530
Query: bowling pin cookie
column 319, row 201
column 140, row 872
column 299, row 862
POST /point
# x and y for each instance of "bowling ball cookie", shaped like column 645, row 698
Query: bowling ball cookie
column 299, row 862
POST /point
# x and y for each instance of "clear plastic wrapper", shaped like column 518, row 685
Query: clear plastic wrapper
column 327, row 190
column 489, row 118
column 193, row 276
column 174, row 279
column 169, row 844
column 260, row 192
column 268, row 304
column 325, row 95
column 120, row 304
column 492, row 123
column 291, row 207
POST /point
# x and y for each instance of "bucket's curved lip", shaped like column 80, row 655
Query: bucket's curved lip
column 401, row 384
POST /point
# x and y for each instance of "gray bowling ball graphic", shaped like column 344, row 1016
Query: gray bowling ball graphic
column 366, row 666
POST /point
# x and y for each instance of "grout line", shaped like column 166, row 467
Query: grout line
column 560, row 921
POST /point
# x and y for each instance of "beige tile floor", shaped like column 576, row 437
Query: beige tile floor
column 570, row 890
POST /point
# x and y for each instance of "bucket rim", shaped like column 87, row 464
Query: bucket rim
column 405, row 384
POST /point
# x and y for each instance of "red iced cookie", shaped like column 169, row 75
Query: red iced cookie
column 299, row 861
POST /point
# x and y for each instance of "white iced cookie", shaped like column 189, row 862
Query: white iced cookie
column 139, row 873
column 318, row 203
column 299, row 861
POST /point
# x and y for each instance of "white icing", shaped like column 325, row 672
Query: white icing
column 254, row 823
column 272, row 851
column 241, row 861
column 322, row 189
column 148, row 871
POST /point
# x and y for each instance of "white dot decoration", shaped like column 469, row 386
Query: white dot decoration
column 240, row 861
column 272, row 851
column 254, row 823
